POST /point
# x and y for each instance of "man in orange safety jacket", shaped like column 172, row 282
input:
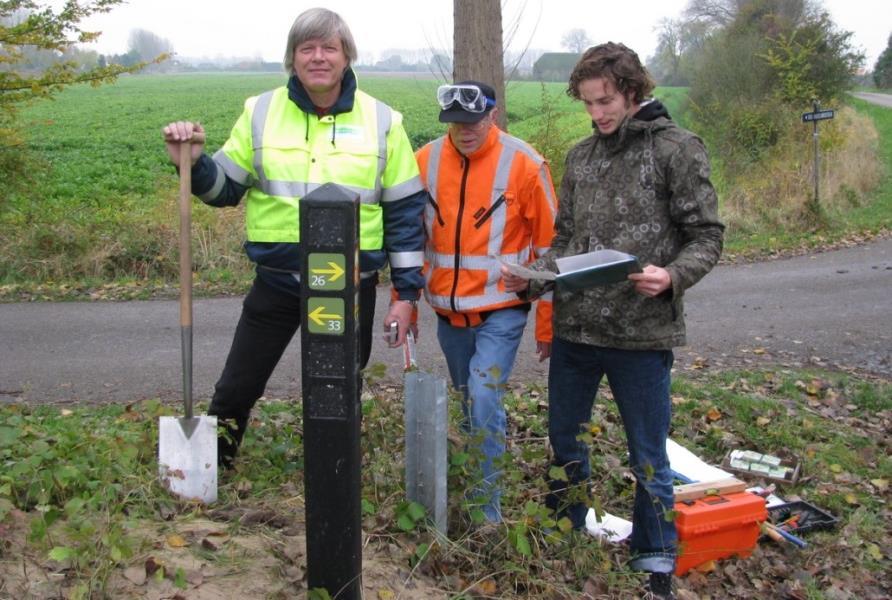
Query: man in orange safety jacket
column 491, row 200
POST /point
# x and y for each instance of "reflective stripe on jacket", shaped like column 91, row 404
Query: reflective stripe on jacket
column 498, row 202
column 283, row 153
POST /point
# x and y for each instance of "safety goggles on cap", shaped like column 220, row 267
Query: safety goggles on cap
column 470, row 97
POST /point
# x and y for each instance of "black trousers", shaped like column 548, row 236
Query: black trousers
column 269, row 320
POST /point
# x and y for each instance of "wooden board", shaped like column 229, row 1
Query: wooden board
column 692, row 491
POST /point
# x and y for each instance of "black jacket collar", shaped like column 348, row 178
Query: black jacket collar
column 298, row 94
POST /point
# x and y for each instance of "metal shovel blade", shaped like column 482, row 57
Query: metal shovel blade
column 187, row 457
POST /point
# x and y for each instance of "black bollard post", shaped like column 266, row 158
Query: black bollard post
column 329, row 236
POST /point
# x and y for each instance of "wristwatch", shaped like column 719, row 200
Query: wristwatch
column 414, row 303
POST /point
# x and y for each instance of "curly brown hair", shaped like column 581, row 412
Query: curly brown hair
column 616, row 63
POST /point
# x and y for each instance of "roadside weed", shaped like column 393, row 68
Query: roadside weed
column 84, row 479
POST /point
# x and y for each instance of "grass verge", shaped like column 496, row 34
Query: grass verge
column 82, row 514
column 849, row 217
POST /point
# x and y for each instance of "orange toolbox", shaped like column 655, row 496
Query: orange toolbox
column 715, row 527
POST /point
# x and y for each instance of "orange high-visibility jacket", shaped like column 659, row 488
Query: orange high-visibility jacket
column 497, row 202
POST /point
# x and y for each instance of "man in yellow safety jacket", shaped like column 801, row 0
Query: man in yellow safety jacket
column 317, row 129
column 491, row 199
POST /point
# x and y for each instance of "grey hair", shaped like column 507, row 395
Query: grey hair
column 319, row 24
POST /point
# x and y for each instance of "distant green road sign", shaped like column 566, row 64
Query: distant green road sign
column 327, row 272
column 325, row 316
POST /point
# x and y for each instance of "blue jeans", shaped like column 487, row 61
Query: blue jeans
column 640, row 381
column 480, row 360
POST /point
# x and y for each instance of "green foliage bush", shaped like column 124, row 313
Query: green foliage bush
column 751, row 83
column 882, row 70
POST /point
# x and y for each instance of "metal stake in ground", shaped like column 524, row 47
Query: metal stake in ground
column 329, row 233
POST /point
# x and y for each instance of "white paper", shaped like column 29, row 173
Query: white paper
column 598, row 258
column 522, row 271
column 612, row 528
column 770, row 499
column 685, row 462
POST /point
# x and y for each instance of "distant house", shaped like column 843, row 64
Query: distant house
column 554, row 66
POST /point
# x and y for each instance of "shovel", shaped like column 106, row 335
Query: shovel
column 426, row 423
column 187, row 446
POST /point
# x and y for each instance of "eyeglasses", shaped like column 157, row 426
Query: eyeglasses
column 470, row 97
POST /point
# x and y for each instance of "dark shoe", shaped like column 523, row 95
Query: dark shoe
column 659, row 587
column 228, row 440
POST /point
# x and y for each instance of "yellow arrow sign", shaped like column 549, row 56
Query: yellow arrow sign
column 319, row 317
column 335, row 271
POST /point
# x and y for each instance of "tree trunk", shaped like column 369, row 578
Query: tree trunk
column 477, row 47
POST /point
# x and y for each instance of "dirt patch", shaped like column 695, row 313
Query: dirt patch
column 259, row 554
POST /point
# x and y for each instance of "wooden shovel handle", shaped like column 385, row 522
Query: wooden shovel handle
column 186, row 269
column 186, row 233
column 186, row 226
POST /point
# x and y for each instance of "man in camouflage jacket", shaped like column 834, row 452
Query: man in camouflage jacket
column 639, row 185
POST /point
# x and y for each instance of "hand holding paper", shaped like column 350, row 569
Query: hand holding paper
column 525, row 273
column 580, row 271
column 653, row 281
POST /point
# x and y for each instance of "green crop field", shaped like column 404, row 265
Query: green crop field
column 102, row 144
column 96, row 202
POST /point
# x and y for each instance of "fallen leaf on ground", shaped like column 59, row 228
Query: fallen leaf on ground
column 175, row 540
column 487, row 587
column 135, row 575
column 881, row 485
column 707, row 567
column 209, row 545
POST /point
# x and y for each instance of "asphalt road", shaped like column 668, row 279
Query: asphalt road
column 881, row 99
column 831, row 309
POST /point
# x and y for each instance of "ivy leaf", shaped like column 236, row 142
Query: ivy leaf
column 565, row 524
column 5, row 508
column 558, row 473
column 7, row 436
column 459, row 458
column 62, row 553
column 179, row 579
column 368, row 507
column 405, row 523
column 522, row 545
column 415, row 511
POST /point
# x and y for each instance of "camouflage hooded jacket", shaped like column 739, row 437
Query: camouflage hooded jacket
column 643, row 190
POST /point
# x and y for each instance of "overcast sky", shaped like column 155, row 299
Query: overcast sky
column 258, row 28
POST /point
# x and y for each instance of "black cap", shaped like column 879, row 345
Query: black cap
column 457, row 114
